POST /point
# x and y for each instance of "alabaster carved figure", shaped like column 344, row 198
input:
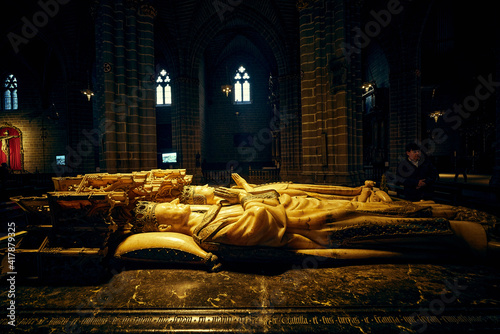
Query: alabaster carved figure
column 209, row 195
column 364, row 224
column 157, row 216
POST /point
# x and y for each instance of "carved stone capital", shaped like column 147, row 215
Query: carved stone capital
column 303, row 4
column 143, row 7
column 133, row 3
column 148, row 10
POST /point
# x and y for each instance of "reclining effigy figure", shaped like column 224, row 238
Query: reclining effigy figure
column 210, row 195
column 112, row 197
column 325, row 221
column 158, row 217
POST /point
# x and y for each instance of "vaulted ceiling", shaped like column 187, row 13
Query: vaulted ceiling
column 217, row 29
column 185, row 32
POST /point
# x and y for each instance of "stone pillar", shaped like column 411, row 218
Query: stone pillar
column 290, row 129
column 125, row 85
column 331, row 94
column 405, row 121
column 186, row 131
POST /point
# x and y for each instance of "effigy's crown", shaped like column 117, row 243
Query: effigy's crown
column 145, row 218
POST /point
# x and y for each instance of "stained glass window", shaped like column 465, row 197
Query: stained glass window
column 163, row 89
column 241, row 86
column 10, row 94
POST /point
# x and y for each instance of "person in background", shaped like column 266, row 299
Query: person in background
column 417, row 174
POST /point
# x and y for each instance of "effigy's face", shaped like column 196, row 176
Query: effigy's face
column 161, row 217
column 172, row 217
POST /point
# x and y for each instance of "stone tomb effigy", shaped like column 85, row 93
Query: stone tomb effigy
column 69, row 228
column 266, row 265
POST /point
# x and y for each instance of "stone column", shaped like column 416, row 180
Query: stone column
column 125, row 85
column 331, row 94
column 186, row 123
column 146, row 153
column 405, row 122
column 290, row 129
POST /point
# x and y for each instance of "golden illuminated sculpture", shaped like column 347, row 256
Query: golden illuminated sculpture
column 327, row 221
column 111, row 197
column 158, row 216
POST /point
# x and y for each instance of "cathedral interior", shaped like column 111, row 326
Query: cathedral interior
column 325, row 92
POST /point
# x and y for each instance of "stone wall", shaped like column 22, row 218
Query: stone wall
column 51, row 116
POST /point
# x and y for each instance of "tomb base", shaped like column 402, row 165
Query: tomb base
column 306, row 298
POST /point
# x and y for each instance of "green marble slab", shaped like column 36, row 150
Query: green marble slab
column 363, row 298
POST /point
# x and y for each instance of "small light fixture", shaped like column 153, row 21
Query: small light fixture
column 367, row 86
column 436, row 115
column 226, row 89
column 88, row 93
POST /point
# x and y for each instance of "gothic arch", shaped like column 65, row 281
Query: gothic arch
column 206, row 33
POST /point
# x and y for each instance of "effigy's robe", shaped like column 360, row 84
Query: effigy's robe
column 271, row 220
column 267, row 226
column 91, row 218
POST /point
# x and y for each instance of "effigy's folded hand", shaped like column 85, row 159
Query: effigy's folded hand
column 230, row 195
column 241, row 182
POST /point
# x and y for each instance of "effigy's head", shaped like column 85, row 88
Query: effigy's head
column 161, row 217
column 197, row 195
